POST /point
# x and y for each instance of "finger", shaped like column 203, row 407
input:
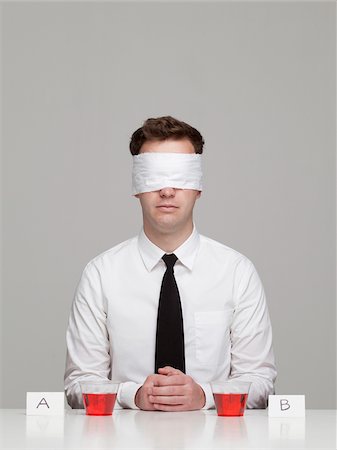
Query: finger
column 167, row 400
column 153, row 380
column 168, row 370
column 160, row 407
column 168, row 390
column 172, row 380
column 149, row 390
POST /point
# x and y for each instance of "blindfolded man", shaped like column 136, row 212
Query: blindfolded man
column 169, row 311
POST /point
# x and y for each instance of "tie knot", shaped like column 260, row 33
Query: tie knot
column 169, row 260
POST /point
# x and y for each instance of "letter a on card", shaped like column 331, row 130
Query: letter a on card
column 45, row 403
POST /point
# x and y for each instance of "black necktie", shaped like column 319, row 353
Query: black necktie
column 170, row 347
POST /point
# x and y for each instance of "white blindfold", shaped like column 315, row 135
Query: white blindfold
column 154, row 171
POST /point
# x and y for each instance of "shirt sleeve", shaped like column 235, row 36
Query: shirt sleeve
column 87, row 339
column 209, row 400
column 252, row 357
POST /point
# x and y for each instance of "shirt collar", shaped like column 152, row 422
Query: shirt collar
column 186, row 253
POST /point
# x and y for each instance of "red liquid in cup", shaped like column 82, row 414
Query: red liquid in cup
column 230, row 404
column 99, row 404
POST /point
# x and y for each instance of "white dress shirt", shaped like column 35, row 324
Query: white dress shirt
column 112, row 325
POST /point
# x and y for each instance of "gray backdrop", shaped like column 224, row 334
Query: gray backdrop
column 257, row 79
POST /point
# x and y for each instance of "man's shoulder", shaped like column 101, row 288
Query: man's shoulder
column 222, row 250
column 115, row 252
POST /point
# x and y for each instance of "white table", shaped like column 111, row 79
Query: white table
column 129, row 429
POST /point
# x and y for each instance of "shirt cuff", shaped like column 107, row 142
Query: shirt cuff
column 126, row 394
column 206, row 387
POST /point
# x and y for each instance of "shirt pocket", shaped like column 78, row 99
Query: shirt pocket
column 212, row 336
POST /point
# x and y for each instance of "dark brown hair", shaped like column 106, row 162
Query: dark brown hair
column 162, row 128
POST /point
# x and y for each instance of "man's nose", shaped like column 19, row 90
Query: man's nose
column 167, row 192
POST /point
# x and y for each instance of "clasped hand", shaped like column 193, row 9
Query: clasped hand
column 170, row 390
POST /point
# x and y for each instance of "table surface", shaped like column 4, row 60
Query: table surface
column 134, row 429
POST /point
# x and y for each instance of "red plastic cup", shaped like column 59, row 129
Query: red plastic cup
column 99, row 397
column 230, row 397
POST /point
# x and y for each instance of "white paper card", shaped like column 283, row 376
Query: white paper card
column 286, row 406
column 45, row 403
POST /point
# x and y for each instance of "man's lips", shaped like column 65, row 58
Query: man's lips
column 167, row 206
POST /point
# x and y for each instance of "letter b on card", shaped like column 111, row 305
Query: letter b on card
column 286, row 406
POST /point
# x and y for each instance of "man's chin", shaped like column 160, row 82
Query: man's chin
column 168, row 225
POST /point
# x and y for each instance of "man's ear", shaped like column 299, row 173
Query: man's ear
column 199, row 194
column 136, row 195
